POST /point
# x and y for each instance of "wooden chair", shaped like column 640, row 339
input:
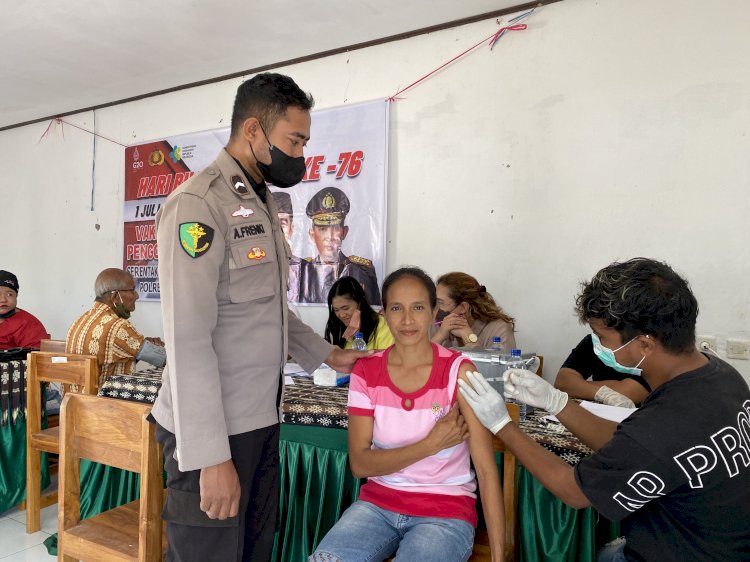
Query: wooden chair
column 540, row 369
column 115, row 433
column 81, row 370
column 55, row 346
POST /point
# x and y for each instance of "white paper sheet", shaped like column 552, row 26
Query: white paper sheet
column 288, row 380
column 293, row 369
column 612, row 413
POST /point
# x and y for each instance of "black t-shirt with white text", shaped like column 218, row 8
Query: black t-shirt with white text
column 677, row 471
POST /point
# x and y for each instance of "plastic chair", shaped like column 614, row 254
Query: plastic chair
column 116, row 433
column 80, row 370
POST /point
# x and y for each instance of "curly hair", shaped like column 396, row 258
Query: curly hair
column 642, row 297
column 267, row 97
column 462, row 287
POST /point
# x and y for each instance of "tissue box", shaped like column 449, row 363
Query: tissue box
column 324, row 376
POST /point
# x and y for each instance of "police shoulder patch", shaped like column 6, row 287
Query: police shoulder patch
column 360, row 261
column 196, row 238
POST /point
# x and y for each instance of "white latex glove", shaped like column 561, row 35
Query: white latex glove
column 486, row 402
column 533, row 390
column 606, row 395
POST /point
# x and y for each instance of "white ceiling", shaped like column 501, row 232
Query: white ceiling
column 59, row 56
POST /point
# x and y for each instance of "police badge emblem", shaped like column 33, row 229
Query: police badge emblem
column 195, row 238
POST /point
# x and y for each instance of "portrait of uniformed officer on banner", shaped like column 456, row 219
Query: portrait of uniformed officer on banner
column 286, row 221
column 327, row 210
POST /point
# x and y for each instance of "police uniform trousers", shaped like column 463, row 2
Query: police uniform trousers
column 248, row 537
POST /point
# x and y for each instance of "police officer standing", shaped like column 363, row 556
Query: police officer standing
column 328, row 209
column 223, row 272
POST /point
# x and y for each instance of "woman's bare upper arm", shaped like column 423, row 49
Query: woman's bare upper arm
column 360, row 433
column 480, row 439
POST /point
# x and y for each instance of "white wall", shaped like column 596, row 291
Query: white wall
column 607, row 130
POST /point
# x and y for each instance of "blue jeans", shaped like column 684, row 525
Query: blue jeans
column 367, row 533
column 613, row 551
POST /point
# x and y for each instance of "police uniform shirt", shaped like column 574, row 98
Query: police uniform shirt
column 317, row 277
column 677, row 470
column 227, row 329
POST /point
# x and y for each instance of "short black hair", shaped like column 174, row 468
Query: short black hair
column 415, row 273
column 267, row 97
column 642, row 297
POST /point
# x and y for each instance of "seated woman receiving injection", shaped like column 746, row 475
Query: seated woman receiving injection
column 349, row 313
column 413, row 436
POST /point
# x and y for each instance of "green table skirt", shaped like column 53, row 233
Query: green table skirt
column 13, row 465
column 317, row 486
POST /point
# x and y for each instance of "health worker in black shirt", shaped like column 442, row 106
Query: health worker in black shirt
column 608, row 385
column 676, row 472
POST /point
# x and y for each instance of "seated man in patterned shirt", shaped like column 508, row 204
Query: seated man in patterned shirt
column 106, row 332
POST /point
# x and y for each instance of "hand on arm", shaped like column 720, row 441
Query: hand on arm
column 220, row 490
column 553, row 472
column 343, row 360
column 365, row 461
column 156, row 341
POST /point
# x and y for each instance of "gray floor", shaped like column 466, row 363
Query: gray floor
column 16, row 545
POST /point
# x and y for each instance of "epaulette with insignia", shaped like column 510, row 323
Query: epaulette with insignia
column 201, row 181
column 360, row 261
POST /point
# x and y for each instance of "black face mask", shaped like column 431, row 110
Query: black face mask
column 441, row 314
column 284, row 170
column 8, row 314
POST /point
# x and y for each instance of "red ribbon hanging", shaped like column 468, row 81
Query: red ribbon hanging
column 62, row 122
column 502, row 30
column 492, row 38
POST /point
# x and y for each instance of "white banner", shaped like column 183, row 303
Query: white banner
column 337, row 221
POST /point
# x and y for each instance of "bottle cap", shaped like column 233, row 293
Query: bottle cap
column 496, row 339
column 515, row 352
column 358, row 335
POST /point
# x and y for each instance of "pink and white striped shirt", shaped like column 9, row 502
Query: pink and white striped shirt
column 441, row 485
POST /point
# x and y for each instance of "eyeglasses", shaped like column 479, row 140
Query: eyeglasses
column 123, row 290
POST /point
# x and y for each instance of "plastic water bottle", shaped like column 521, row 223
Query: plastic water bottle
column 359, row 342
column 497, row 344
column 516, row 362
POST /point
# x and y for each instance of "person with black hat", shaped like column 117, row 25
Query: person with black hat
column 286, row 222
column 327, row 210
column 18, row 328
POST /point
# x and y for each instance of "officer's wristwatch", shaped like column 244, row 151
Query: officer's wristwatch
column 471, row 338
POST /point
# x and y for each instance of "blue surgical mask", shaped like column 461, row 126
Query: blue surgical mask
column 607, row 356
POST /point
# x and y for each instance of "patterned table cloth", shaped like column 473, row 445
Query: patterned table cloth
column 325, row 406
column 141, row 386
column 305, row 403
